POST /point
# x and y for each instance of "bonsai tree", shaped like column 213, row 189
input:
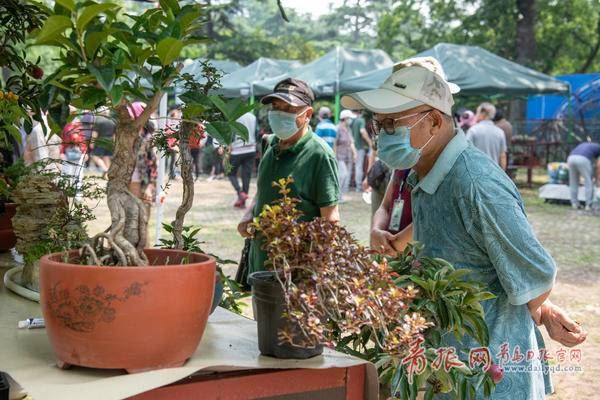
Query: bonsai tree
column 111, row 59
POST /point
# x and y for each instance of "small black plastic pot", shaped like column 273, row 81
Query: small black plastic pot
column 267, row 303
column 4, row 386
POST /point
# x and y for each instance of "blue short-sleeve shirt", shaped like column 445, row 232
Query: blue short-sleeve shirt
column 467, row 211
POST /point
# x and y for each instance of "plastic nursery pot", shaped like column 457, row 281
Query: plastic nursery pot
column 267, row 303
column 7, row 233
column 133, row 318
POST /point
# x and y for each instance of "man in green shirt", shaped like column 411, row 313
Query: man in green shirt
column 294, row 151
column 363, row 143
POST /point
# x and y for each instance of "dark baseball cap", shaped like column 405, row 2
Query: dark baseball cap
column 293, row 91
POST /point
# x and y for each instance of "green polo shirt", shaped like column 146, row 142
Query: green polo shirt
column 312, row 164
column 359, row 142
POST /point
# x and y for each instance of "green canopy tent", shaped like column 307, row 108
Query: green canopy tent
column 476, row 71
column 243, row 82
column 326, row 74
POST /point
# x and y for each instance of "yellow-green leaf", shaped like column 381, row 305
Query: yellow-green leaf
column 53, row 28
column 68, row 4
column 168, row 50
column 90, row 12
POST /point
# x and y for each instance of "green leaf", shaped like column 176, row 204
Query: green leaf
column 168, row 50
column 118, row 57
column 232, row 109
column 116, row 94
column 154, row 61
column 90, row 12
column 59, row 85
column 221, row 131
column 429, row 393
column 404, row 387
column 396, row 378
column 188, row 17
column 104, row 74
column 240, row 130
column 53, row 28
column 196, row 98
column 68, row 4
column 14, row 132
column 90, row 98
column 172, row 5
column 93, row 40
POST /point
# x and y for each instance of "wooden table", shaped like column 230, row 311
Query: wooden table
column 226, row 365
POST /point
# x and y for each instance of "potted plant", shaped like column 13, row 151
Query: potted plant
column 18, row 93
column 325, row 283
column 9, row 178
column 113, row 303
column 51, row 215
column 323, row 288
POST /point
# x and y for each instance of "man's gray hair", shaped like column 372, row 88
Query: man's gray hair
column 488, row 108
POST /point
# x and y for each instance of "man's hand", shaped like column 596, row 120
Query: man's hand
column 365, row 186
column 148, row 194
column 560, row 327
column 243, row 226
column 382, row 242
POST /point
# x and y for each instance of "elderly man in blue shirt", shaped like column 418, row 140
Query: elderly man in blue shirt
column 467, row 211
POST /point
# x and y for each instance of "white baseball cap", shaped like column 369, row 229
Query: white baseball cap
column 413, row 82
column 347, row 114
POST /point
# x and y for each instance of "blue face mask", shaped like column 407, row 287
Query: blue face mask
column 283, row 124
column 395, row 150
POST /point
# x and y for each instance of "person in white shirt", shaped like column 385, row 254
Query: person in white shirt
column 487, row 137
column 40, row 146
column 242, row 156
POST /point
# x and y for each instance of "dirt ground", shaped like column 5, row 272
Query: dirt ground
column 572, row 237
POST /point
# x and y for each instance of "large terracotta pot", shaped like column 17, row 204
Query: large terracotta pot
column 135, row 318
column 7, row 233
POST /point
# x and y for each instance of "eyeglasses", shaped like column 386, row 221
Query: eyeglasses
column 389, row 124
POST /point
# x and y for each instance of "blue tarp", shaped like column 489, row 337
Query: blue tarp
column 549, row 106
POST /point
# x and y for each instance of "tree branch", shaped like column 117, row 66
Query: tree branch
column 282, row 11
column 155, row 101
column 593, row 51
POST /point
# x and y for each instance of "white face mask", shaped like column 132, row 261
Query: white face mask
column 283, row 124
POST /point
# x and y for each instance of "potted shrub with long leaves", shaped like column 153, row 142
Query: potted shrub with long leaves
column 113, row 303
column 324, row 288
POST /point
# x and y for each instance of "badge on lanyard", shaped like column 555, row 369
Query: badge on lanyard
column 397, row 211
column 396, row 215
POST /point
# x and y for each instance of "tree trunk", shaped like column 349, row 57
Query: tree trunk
column 526, row 47
column 186, row 164
column 526, row 44
column 129, row 219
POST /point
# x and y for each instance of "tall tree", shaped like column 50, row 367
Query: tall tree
column 526, row 44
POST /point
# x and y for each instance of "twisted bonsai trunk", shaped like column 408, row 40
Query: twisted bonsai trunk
column 127, row 235
column 186, row 164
